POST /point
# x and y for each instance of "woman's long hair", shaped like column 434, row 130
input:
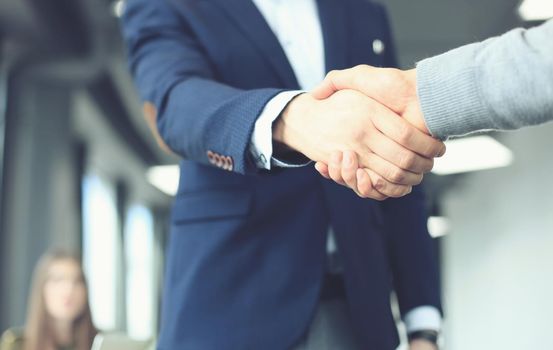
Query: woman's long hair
column 39, row 334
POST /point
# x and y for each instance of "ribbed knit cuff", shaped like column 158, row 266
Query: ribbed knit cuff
column 449, row 94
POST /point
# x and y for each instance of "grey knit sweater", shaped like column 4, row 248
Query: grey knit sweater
column 502, row 83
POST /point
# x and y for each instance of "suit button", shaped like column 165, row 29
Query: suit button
column 378, row 46
column 231, row 164
column 211, row 157
column 224, row 162
column 218, row 160
column 228, row 163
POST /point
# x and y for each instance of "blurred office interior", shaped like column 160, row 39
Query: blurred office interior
column 80, row 169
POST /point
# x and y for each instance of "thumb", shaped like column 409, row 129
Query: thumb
column 325, row 89
column 339, row 80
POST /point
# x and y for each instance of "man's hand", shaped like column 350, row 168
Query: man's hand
column 150, row 115
column 344, row 169
column 394, row 153
column 421, row 344
column 394, row 88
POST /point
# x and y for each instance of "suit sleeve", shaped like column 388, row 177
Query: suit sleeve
column 196, row 113
column 502, row 83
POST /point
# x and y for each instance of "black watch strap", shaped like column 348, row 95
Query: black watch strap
column 429, row 335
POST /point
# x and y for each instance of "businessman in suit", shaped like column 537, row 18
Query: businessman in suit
column 264, row 254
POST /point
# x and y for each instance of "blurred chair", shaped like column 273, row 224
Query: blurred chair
column 119, row 341
column 12, row 339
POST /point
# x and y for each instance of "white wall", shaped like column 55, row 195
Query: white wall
column 498, row 259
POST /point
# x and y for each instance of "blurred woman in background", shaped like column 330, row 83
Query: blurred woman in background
column 58, row 316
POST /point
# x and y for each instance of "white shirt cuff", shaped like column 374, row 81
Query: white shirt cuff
column 423, row 318
column 261, row 145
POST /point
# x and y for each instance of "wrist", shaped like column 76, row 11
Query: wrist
column 413, row 112
column 288, row 126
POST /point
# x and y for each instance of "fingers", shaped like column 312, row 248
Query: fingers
column 344, row 172
column 367, row 183
column 349, row 169
column 325, row 89
column 335, row 167
column 365, row 188
column 329, row 85
column 408, row 136
column 389, row 171
column 322, row 168
column 398, row 155
column 384, row 187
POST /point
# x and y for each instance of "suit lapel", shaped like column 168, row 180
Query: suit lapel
column 251, row 23
column 334, row 23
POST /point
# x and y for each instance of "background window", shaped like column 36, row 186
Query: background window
column 140, row 283
column 101, row 247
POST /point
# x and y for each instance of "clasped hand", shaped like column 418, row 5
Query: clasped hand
column 364, row 129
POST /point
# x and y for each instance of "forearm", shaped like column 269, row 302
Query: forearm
column 198, row 113
column 202, row 115
column 502, row 83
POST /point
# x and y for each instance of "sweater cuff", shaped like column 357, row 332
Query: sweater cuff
column 449, row 94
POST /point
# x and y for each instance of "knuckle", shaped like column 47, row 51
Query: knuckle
column 359, row 68
column 402, row 191
column 379, row 183
column 432, row 149
column 404, row 133
column 397, row 75
column 407, row 160
column 359, row 136
column 429, row 165
column 397, row 175
column 349, row 177
column 331, row 75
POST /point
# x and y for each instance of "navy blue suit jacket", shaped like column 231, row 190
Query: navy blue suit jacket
column 247, row 250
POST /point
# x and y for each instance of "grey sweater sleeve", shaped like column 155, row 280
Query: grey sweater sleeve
column 501, row 83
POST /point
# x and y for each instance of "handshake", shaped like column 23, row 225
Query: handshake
column 365, row 129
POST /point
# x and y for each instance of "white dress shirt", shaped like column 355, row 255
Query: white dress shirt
column 297, row 27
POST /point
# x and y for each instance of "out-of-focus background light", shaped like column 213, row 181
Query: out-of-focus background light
column 472, row 154
column 536, row 10
column 118, row 7
column 438, row 226
column 165, row 178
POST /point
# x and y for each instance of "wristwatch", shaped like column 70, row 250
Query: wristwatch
column 427, row 334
